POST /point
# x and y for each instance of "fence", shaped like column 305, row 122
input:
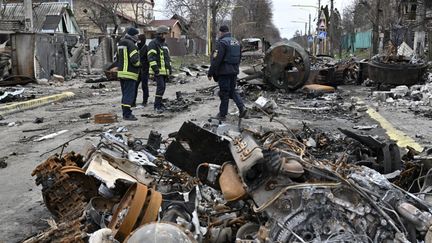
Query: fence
column 354, row 41
column 181, row 47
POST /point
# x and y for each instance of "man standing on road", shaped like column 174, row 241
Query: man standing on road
column 144, row 72
column 225, row 63
column 128, row 62
column 160, row 65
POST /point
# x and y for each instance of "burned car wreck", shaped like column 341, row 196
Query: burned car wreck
column 217, row 182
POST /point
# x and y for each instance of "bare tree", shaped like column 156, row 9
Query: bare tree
column 196, row 12
column 138, row 11
column 102, row 13
column 254, row 19
column 193, row 10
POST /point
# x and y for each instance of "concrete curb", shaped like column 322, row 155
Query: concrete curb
column 30, row 104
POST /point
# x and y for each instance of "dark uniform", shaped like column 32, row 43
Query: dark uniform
column 225, row 63
column 128, row 61
column 144, row 72
column 160, row 66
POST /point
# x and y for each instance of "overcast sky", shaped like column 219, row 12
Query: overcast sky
column 283, row 13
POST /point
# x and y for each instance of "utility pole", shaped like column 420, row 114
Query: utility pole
column 208, row 35
column 28, row 14
column 376, row 29
column 420, row 35
column 332, row 29
column 305, row 33
column 310, row 19
column 317, row 47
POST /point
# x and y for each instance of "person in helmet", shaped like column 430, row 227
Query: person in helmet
column 160, row 65
column 128, row 63
column 224, row 68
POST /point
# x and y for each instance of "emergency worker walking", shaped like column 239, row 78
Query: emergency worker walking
column 128, row 63
column 225, row 63
column 160, row 65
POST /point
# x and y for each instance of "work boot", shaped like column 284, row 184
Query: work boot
column 130, row 118
column 159, row 110
column 220, row 117
column 142, row 105
column 243, row 113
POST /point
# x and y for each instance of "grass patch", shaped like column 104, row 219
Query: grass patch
column 177, row 62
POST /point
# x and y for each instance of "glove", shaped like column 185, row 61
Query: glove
column 156, row 72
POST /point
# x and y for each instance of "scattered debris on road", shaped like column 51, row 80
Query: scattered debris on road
column 221, row 183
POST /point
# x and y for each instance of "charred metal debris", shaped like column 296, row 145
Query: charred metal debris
column 220, row 183
column 286, row 65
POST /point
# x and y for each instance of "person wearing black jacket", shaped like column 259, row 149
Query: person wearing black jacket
column 144, row 72
column 160, row 65
column 224, row 68
column 129, row 65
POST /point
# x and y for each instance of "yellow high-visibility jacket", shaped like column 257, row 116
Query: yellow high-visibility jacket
column 159, row 57
column 128, row 59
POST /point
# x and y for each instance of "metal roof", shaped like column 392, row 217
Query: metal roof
column 15, row 11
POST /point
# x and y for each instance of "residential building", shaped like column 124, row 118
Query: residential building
column 48, row 17
column 176, row 29
column 96, row 18
column 139, row 10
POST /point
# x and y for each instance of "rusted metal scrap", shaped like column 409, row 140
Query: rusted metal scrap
column 302, row 199
column 286, row 65
column 67, row 232
column 66, row 189
column 396, row 70
column 138, row 206
column 250, row 186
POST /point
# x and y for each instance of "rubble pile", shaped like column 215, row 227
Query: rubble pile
column 417, row 98
column 312, row 103
column 182, row 102
column 14, row 94
column 215, row 182
column 194, row 70
column 288, row 66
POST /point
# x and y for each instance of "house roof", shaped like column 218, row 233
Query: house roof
column 167, row 22
column 43, row 13
column 183, row 22
column 135, row 1
column 129, row 18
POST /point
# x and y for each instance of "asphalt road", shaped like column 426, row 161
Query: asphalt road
column 23, row 213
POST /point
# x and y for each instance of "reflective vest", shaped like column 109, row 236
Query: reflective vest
column 128, row 60
column 158, row 57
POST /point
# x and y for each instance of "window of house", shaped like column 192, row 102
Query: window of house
column 110, row 30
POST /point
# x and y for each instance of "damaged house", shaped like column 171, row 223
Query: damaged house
column 43, row 49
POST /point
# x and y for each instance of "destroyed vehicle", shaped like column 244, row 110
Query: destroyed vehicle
column 241, row 185
column 288, row 66
column 396, row 70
